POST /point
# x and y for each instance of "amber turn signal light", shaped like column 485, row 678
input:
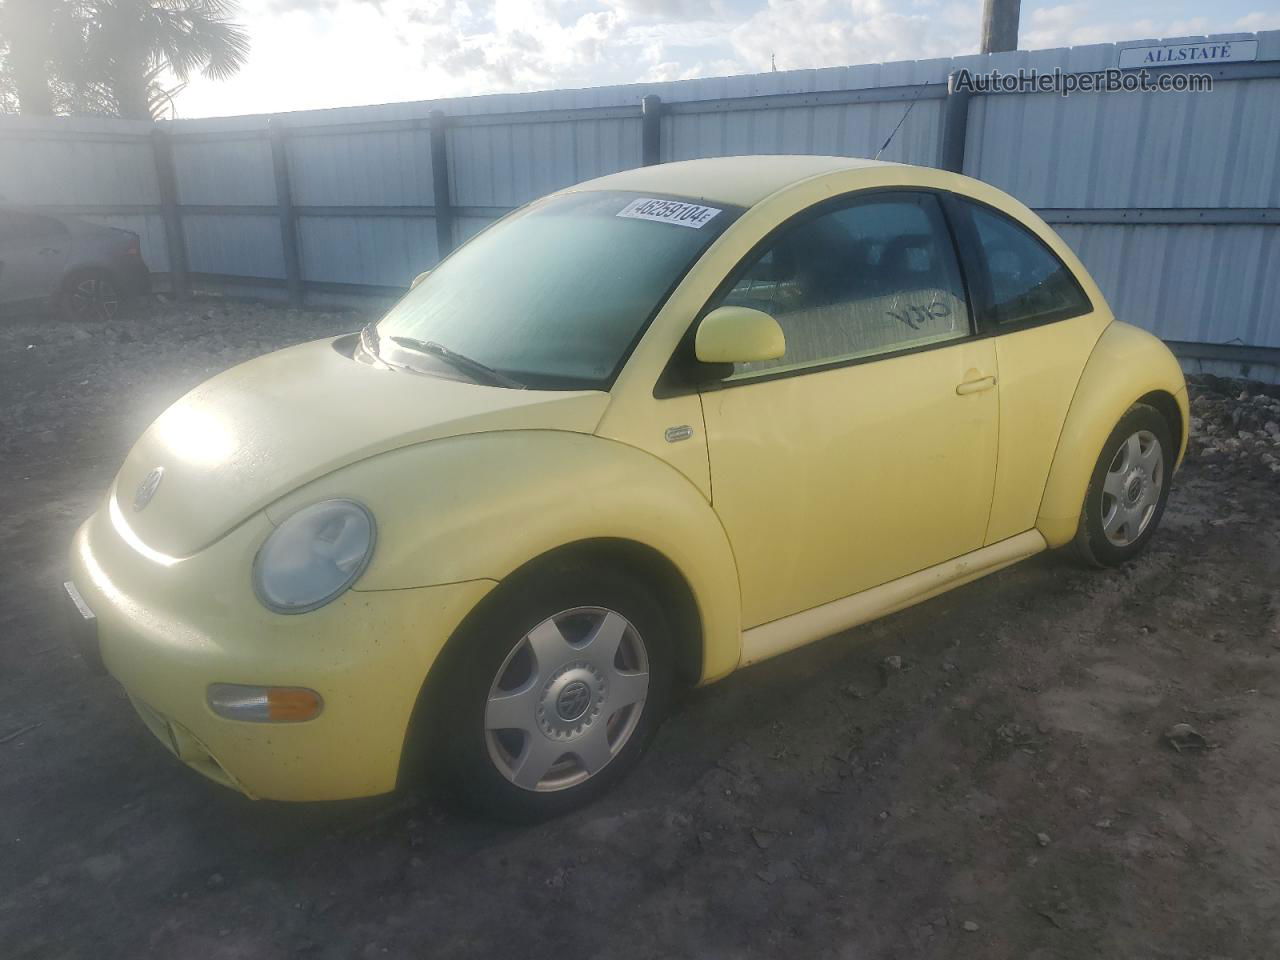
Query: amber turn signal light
column 264, row 704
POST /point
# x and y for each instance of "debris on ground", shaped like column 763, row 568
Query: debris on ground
column 1184, row 737
column 1051, row 917
column 888, row 667
column 1235, row 424
column 19, row 732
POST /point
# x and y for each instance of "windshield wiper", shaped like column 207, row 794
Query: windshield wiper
column 457, row 360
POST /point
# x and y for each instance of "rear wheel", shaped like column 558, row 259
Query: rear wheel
column 553, row 694
column 1127, row 490
column 91, row 295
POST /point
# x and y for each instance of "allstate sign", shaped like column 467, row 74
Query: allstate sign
column 1188, row 54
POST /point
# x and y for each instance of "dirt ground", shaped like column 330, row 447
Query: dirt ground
column 1003, row 790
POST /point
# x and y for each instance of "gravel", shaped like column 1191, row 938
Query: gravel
column 803, row 807
column 1235, row 426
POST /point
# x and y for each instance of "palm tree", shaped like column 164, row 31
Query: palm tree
column 113, row 56
column 130, row 44
column 37, row 36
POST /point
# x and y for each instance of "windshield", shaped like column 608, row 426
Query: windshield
column 555, row 295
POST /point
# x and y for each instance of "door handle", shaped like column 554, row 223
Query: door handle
column 48, row 251
column 976, row 386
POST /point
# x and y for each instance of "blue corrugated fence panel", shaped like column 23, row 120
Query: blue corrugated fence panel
column 382, row 251
column 232, row 171
column 1111, row 151
column 363, row 169
column 1208, row 284
column 234, row 244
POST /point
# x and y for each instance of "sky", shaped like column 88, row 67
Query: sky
column 324, row 53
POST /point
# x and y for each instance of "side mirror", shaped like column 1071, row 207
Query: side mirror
column 419, row 278
column 738, row 335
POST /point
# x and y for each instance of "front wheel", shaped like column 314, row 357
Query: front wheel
column 1128, row 489
column 553, row 694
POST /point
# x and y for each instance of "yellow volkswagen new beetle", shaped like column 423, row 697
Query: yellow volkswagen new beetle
column 634, row 436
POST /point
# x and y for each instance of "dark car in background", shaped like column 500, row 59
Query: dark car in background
column 85, row 270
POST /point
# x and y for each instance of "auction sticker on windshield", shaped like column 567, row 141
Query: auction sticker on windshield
column 669, row 211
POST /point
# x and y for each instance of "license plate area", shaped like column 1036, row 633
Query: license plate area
column 82, row 628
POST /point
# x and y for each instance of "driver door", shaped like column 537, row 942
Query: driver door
column 868, row 451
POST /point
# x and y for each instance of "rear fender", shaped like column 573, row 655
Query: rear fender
column 1126, row 365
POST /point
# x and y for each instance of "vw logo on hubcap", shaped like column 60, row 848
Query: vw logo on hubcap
column 1137, row 484
column 147, row 488
column 573, row 701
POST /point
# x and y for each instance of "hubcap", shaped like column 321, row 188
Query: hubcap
column 1131, row 489
column 567, row 699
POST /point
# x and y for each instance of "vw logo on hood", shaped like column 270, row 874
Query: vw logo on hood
column 147, row 488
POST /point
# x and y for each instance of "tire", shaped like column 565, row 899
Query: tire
column 1128, row 489
column 90, row 295
column 530, row 721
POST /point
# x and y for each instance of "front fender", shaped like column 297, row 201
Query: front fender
column 478, row 507
column 1126, row 364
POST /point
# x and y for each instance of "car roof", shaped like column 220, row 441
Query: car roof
column 739, row 181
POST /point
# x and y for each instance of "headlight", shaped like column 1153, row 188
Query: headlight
column 314, row 556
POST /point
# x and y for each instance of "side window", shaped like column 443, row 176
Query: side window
column 1029, row 284
column 875, row 277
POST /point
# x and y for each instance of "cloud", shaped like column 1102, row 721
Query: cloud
column 317, row 53
column 1077, row 24
column 285, row 6
column 676, row 10
column 1254, row 22
column 823, row 33
column 548, row 43
column 505, row 45
column 313, row 6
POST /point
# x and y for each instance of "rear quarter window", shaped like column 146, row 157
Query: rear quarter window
column 1027, row 282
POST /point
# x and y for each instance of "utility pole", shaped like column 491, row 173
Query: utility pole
column 1000, row 25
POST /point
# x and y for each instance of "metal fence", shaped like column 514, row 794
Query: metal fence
column 1171, row 199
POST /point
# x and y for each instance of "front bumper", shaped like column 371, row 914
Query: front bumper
column 166, row 632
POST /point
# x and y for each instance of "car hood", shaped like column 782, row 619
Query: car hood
column 242, row 440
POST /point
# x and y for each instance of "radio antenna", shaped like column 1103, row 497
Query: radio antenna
column 901, row 121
